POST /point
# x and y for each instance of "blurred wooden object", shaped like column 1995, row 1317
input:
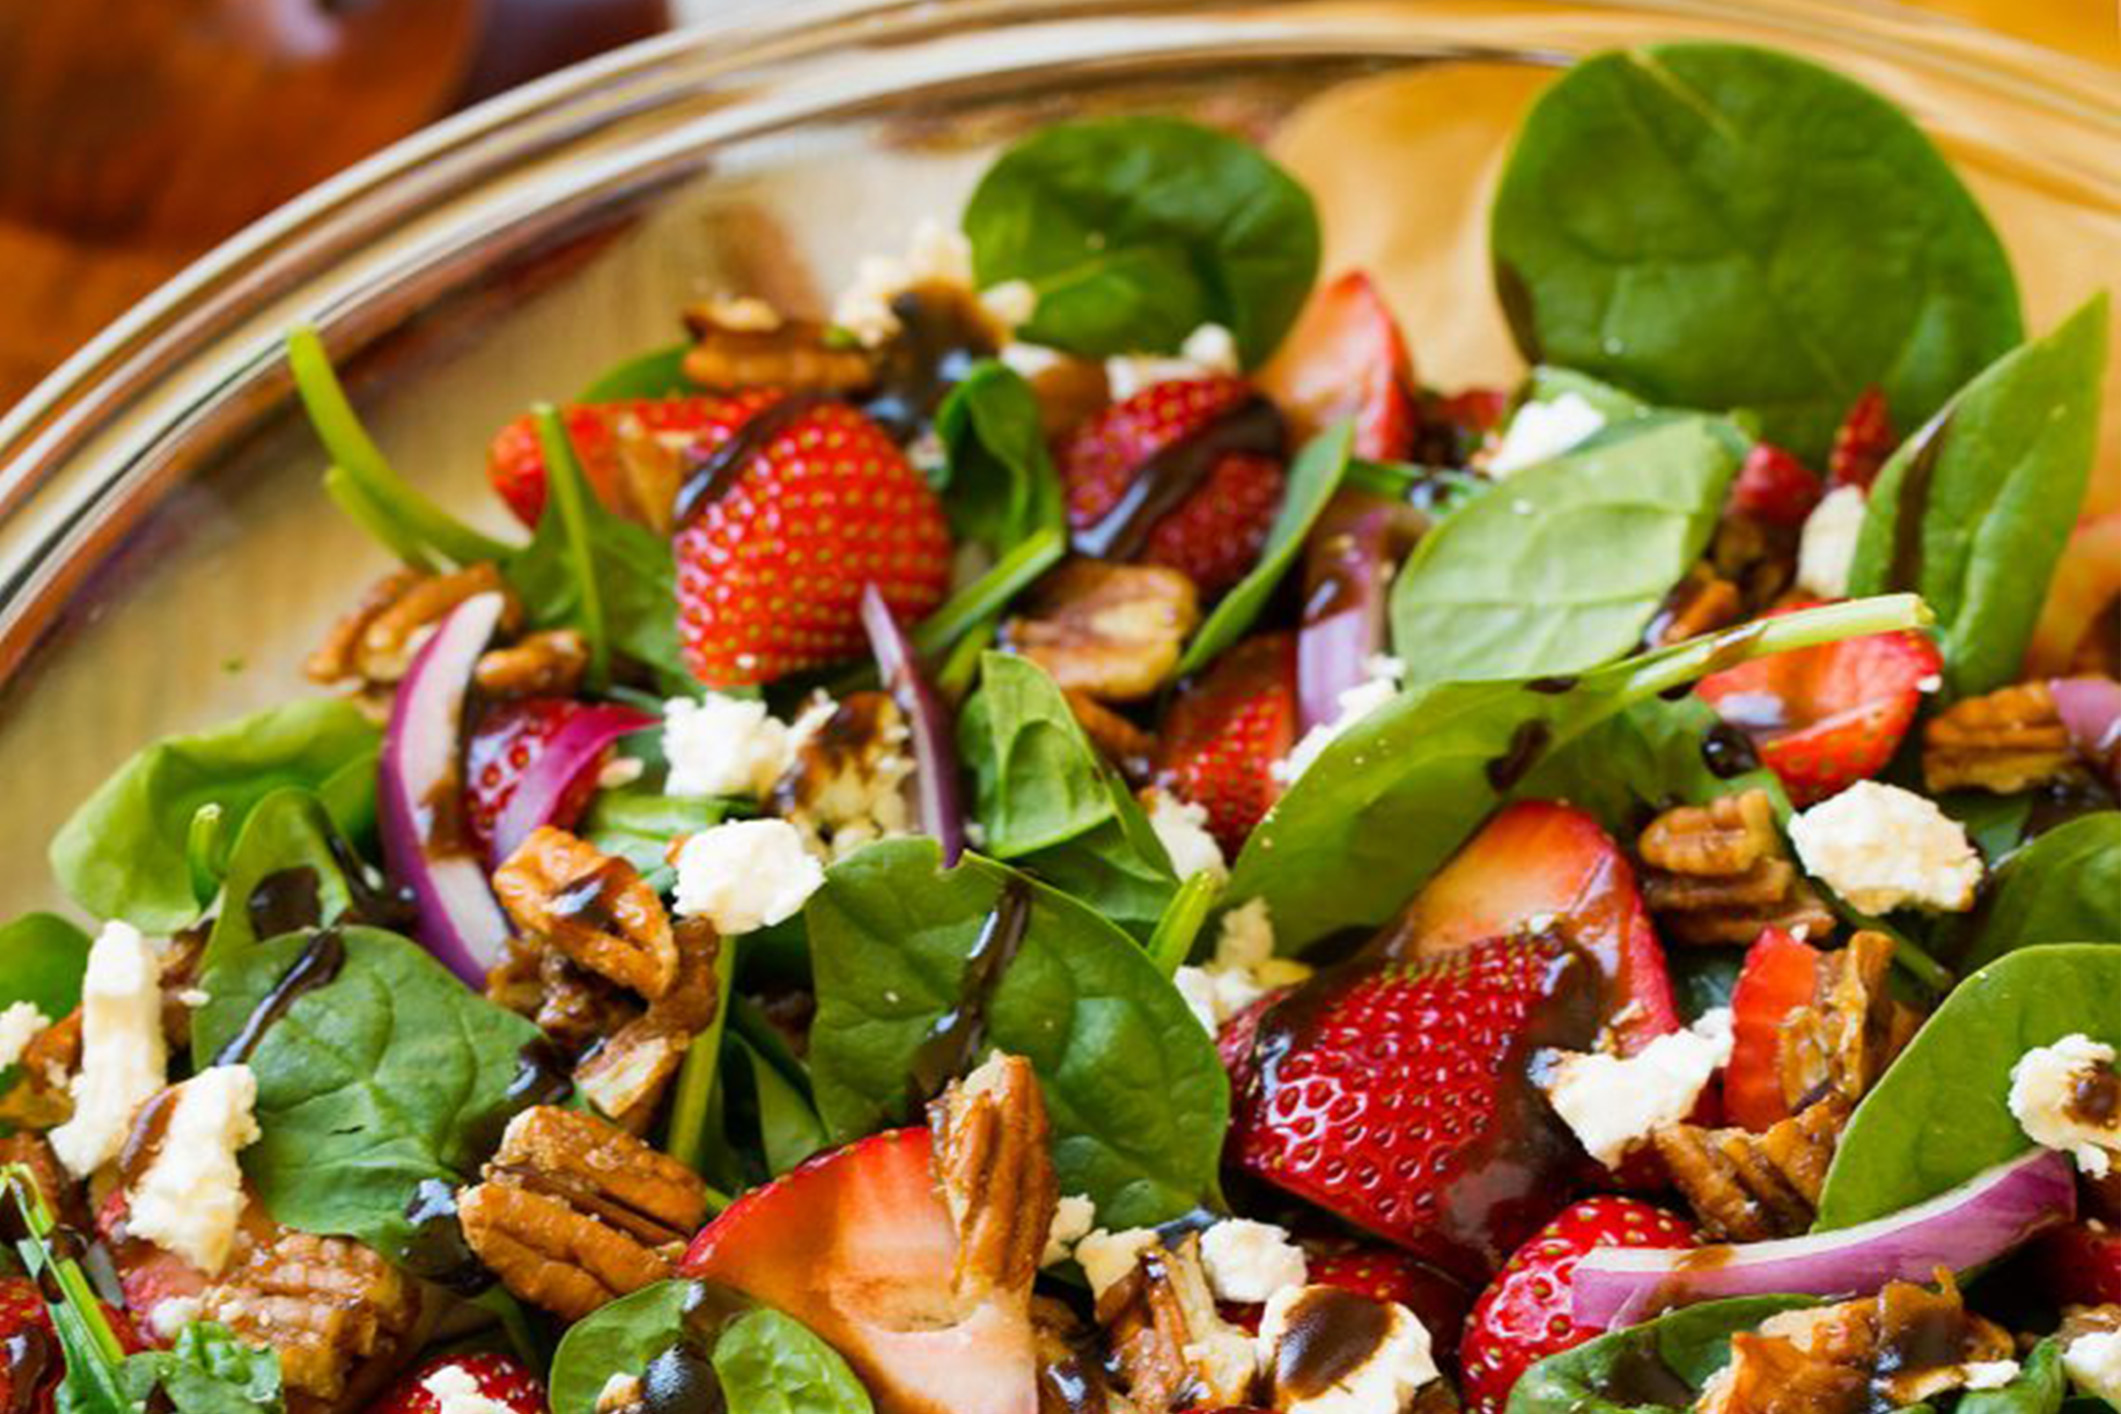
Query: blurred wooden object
column 136, row 133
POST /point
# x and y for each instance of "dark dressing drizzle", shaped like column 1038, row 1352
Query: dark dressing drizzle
column 1527, row 743
column 144, row 1143
column 2095, row 1097
column 1176, row 472
column 544, row 1076
column 682, row 1381
column 1905, row 570
column 1640, row 1375
column 1553, row 686
column 1727, row 752
column 27, row 1357
column 942, row 334
column 286, row 901
column 1330, row 1334
column 709, row 476
column 592, row 899
column 952, row 1043
column 317, row 965
column 436, row 1251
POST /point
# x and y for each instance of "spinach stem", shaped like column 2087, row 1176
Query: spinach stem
column 1182, row 919
column 77, row 1314
column 988, row 595
column 356, row 505
column 1683, row 663
column 954, row 679
column 689, row 1110
column 567, row 497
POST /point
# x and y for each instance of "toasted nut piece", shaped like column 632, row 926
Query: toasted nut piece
column 749, row 344
column 594, row 907
column 569, row 1003
column 1720, row 873
column 374, row 644
column 1843, row 1041
column 1112, row 631
column 1750, row 1187
column 2003, row 741
column 1172, row 1347
column 626, row 1076
column 545, row 664
column 42, row 1098
column 1126, row 746
column 848, row 784
column 1727, row 836
column 328, row 1304
column 996, row 1175
column 1701, row 603
column 1071, row 1372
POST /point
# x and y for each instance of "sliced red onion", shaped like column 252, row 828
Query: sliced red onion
column 935, row 760
column 575, row 748
column 2091, row 709
column 1345, row 571
column 423, row 750
column 1975, row 1223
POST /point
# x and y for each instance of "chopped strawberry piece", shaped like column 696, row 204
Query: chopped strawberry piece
column 1226, row 732
column 1773, row 486
column 1346, row 358
column 1525, row 1316
column 1778, row 977
column 455, row 1382
column 2079, row 1265
column 509, row 739
column 515, row 465
column 1863, row 443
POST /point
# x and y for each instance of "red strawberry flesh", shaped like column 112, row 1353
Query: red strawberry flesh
column 515, row 463
column 508, row 740
column 1345, row 357
column 500, row 1379
column 1778, row 976
column 1226, row 732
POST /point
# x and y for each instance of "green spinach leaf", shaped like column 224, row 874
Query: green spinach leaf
column 1131, row 1081
column 1631, row 1371
column 637, row 823
column 1647, row 758
column 1972, row 512
column 770, row 1363
column 999, row 484
column 659, row 373
column 389, row 1074
column 207, row 1371
column 42, row 957
column 1039, row 781
column 1566, row 564
column 126, row 852
column 1313, row 478
column 1550, row 384
column 1940, row 1113
column 2039, row 1388
column 1995, row 823
column 788, row 1128
column 619, row 1338
column 1135, row 231
column 1715, row 226
column 2064, row 885
column 1120, row 868
column 289, row 829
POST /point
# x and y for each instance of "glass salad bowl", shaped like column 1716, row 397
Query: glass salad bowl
column 166, row 553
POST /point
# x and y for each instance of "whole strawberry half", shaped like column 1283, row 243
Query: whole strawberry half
column 509, row 740
column 1773, row 486
column 858, row 1246
column 1215, row 530
column 1524, row 1315
column 502, row 1379
column 1862, row 443
column 1779, row 975
column 1345, row 357
column 1225, row 733
column 1824, row 718
column 1395, row 1095
column 1539, row 866
column 782, row 524
column 515, row 464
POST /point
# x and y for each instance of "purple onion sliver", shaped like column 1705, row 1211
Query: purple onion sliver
column 458, row 919
column 2091, row 709
column 1972, row 1224
column 934, row 757
column 1344, row 616
column 573, row 750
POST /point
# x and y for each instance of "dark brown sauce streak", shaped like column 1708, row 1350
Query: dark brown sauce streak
column 708, row 478
column 26, row 1356
column 286, row 901
column 1728, row 752
column 144, row 1143
column 2095, row 1098
column 384, row 907
column 1553, row 686
column 436, row 1249
column 1175, row 473
column 544, row 1076
column 943, row 335
column 1905, row 570
column 317, row 965
column 1330, row 1334
column 1071, row 1385
column 952, row 1043
column 592, row 899
column 1526, row 746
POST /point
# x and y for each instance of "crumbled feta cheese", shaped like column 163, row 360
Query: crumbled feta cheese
column 1988, row 1374
column 1613, row 1103
column 621, row 1391
column 1379, row 686
column 1250, row 1261
column 19, row 1025
column 851, row 787
column 1073, row 1217
column 1827, row 546
column 2093, row 1363
column 1207, row 351
column 456, row 1391
column 1106, row 1257
column 745, row 875
column 2044, row 1088
column 1197, row 989
column 1243, row 970
column 189, row 1199
column 172, row 1314
column 1182, row 829
column 124, row 1058
column 1882, row 848
column 937, row 255
column 723, row 746
column 1543, row 431
column 1383, row 1382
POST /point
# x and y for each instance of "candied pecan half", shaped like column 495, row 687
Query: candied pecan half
column 549, row 663
column 626, row 1076
column 1112, row 631
column 569, row 1003
column 374, row 643
column 2003, row 741
column 848, row 785
column 1720, row 873
column 594, row 907
column 1843, row 1040
column 1701, row 603
column 1749, row 1187
column 997, row 1177
column 1170, row 1345
column 747, row 343
column 573, row 1211
column 329, row 1305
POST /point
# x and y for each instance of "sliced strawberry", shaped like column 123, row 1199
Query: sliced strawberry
column 2079, row 1265
column 1778, row 977
column 1395, row 1095
column 1215, row 532
column 1539, row 866
column 1345, row 357
column 507, row 742
column 515, row 466
column 1234, row 1042
column 1524, row 1316
column 1863, row 443
column 792, row 518
column 1226, row 732
column 1773, row 486
column 1388, row 1274
column 460, row 1382
column 2080, row 602
column 1824, row 718
column 857, row 1245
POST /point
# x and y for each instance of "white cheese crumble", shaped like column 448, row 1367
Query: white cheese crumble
column 2043, row 1090
column 1073, row 1217
column 1882, row 848
column 745, row 875
column 1613, row 1103
column 456, row 1391
column 172, row 1314
column 1380, row 684
column 936, row 255
column 19, row 1026
column 1182, row 829
column 621, row 1391
column 1543, row 431
column 1107, row 1257
column 124, row 1058
column 1249, row 1261
column 1827, row 545
column 2093, row 1363
column 190, row 1198
column 723, row 746
column 1243, row 970
column 1382, row 1384
column 1208, row 351
column 1988, row 1374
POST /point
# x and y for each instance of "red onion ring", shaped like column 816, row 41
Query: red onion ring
column 2091, row 709
column 1344, row 606
column 936, row 803
column 577, row 747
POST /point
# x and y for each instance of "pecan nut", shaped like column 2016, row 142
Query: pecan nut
column 373, row 645
column 1169, row 1343
column 1720, row 873
column 1746, row 1187
column 747, row 343
column 1112, row 631
column 2003, row 741
column 545, row 664
column 1842, row 1041
column 569, row 1003
column 591, row 906
column 1701, row 603
column 329, row 1305
column 573, row 1212
column 997, row 1177
column 625, row 1076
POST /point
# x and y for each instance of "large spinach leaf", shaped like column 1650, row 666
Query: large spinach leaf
column 1564, row 567
column 999, row 484
column 1137, row 230
column 1714, row 226
column 1972, row 512
column 1654, row 755
column 1660, row 1364
column 1120, row 869
column 2065, row 885
column 618, row 1338
column 2039, row 1388
column 389, row 1074
column 289, row 829
column 127, row 852
column 1940, row 1114
column 42, row 958
column 770, row 1363
column 1131, row 1081
column 1390, row 799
